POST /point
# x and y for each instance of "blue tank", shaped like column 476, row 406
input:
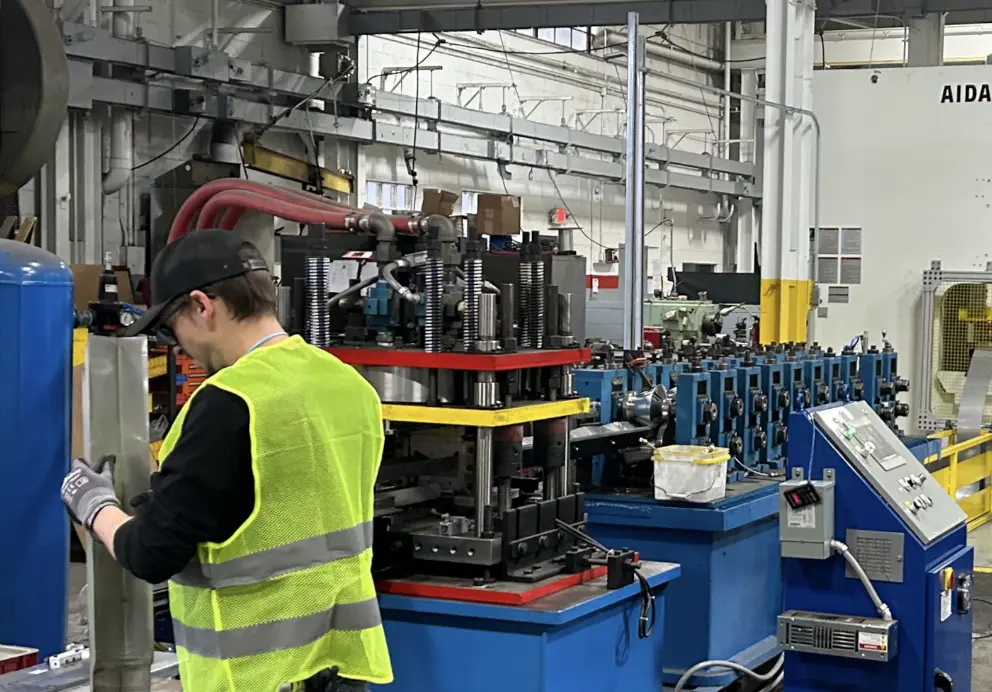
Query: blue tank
column 36, row 319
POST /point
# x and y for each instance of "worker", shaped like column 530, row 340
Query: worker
column 260, row 515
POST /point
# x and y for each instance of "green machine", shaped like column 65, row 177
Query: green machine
column 684, row 319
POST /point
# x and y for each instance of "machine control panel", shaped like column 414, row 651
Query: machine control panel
column 872, row 448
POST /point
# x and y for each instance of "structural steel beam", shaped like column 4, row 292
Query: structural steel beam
column 363, row 17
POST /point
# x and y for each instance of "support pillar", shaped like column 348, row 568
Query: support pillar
column 926, row 41
column 787, row 178
column 633, row 258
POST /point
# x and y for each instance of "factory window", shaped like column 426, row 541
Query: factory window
column 392, row 197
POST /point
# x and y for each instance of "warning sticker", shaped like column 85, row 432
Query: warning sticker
column 870, row 641
column 945, row 606
column 804, row 518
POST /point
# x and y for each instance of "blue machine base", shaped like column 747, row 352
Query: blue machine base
column 726, row 603
column 583, row 638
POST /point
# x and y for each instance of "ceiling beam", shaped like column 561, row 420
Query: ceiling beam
column 363, row 17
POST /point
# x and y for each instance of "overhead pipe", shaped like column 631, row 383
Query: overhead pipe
column 196, row 201
column 336, row 219
column 666, row 53
column 120, row 161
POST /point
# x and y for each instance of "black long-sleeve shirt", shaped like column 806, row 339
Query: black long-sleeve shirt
column 203, row 492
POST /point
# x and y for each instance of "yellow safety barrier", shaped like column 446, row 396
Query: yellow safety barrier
column 967, row 480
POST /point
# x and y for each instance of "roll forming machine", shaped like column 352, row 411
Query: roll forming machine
column 730, row 395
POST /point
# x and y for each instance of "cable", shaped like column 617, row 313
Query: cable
column 648, row 615
column 565, row 204
column 750, row 470
column 412, row 163
column 736, row 667
column 172, row 148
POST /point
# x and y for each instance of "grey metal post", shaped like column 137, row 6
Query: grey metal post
column 633, row 274
column 483, row 480
column 115, row 415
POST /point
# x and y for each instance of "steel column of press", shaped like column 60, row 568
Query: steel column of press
column 483, row 481
column 115, row 405
column 633, row 276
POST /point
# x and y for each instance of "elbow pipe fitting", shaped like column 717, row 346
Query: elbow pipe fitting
column 445, row 228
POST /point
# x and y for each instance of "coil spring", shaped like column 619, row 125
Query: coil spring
column 473, row 290
column 318, row 324
column 537, row 304
column 432, row 309
column 523, row 301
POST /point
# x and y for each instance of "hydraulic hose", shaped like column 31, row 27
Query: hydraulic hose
column 207, row 217
column 404, row 292
column 736, row 667
column 840, row 548
column 195, row 202
column 333, row 218
column 352, row 290
column 486, row 285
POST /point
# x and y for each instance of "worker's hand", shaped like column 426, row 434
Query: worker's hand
column 86, row 490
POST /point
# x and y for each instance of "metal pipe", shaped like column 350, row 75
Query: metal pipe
column 483, row 479
column 770, row 104
column 487, row 317
column 120, row 161
column 666, row 53
column 633, row 266
column 214, row 22
column 352, row 290
column 728, row 29
column 565, row 473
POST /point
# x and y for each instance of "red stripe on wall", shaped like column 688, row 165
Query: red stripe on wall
column 606, row 281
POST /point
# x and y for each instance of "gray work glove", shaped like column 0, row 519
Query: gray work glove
column 86, row 490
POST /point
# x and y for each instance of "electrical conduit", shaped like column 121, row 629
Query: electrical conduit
column 121, row 156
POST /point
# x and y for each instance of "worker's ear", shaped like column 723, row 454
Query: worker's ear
column 201, row 306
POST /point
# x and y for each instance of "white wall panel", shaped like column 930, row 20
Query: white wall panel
column 593, row 84
column 914, row 175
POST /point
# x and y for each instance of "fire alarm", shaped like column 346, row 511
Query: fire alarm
column 558, row 217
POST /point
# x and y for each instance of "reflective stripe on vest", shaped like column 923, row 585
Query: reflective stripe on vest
column 278, row 635
column 273, row 562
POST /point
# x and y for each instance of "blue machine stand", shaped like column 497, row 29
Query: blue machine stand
column 726, row 602
column 910, row 537
column 583, row 638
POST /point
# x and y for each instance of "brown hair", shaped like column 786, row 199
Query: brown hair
column 250, row 295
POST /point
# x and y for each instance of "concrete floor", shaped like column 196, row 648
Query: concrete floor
column 981, row 539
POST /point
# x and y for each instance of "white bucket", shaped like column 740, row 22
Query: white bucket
column 690, row 473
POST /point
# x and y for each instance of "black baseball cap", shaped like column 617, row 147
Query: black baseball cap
column 195, row 261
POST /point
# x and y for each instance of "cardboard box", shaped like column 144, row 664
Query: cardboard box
column 437, row 201
column 86, row 284
column 498, row 215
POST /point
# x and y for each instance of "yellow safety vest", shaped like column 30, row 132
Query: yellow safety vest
column 291, row 592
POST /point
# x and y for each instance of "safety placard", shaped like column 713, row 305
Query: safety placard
column 804, row 518
column 946, row 607
column 874, row 642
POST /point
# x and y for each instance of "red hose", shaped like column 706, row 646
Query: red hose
column 333, row 218
column 195, row 203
